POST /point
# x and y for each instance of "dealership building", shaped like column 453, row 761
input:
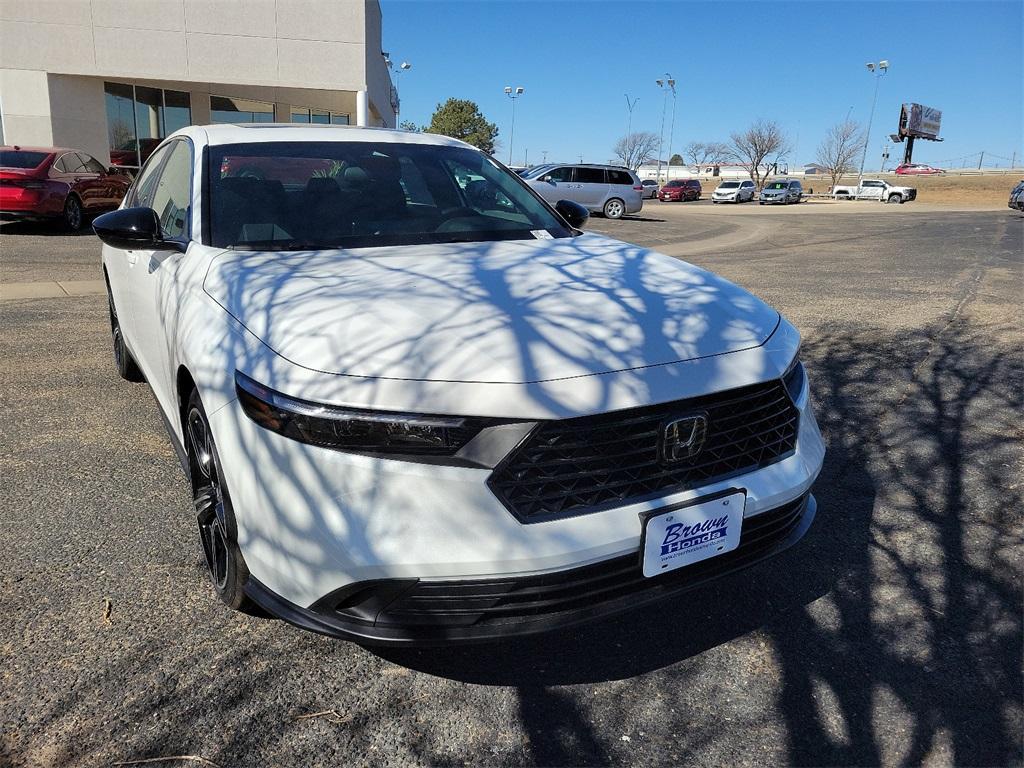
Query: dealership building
column 118, row 75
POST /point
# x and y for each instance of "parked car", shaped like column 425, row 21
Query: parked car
column 56, row 184
column 917, row 169
column 874, row 189
column 400, row 413
column 650, row 191
column 680, row 189
column 734, row 192
column 784, row 191
column 1017, row 197
column 609, row 190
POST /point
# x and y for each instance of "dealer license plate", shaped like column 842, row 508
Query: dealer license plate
column 692, row 533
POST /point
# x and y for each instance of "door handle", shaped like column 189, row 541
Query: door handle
column 132, row 257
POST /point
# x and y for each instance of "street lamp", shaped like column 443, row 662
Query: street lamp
column 882, row 67
column 405, row 66
column 666, row 85
column 512, row 94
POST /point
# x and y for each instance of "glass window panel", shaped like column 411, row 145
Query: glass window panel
column 321, row 116
column 148, row 106
column 173, row 191
column 300, row 115
column 177, row 111
column 224, row 109
column 120, row 124
column 339, row 119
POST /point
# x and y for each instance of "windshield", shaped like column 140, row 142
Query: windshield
column 13, row 158
column 729, row 185
column 305, row 195
column 676, row 184
column 778, row 185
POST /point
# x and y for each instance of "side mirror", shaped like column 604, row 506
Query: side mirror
column 548, row 179
column 134, row 229
column 113, row 170
column 574, row 213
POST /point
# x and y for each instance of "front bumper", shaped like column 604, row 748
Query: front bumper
column 424, row 612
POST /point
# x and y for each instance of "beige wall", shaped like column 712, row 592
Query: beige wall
column 291, row 43
column 54, row 110
column 310, row 44
column 55, row 55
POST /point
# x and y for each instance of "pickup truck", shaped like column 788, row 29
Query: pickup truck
column 874, row 189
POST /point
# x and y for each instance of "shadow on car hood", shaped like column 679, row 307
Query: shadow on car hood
column 497, row 312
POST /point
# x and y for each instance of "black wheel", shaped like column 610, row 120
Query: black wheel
column 895, row 199
column 614, row 208
column 126, row 366
column 73, row 213
column 217, row 530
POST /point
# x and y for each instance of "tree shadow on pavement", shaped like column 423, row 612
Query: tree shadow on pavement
column 895, row 623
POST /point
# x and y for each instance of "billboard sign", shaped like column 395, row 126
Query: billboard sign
column 920, row 121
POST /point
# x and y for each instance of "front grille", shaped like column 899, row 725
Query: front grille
column 586, row 464
column 482, row 602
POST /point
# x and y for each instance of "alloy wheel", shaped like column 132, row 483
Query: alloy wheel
column 73, row 214
column 614, row 209
column 208, row 495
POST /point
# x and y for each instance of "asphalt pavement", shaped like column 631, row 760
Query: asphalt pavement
column 892, row 634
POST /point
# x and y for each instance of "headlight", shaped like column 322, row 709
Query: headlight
column 350, row 429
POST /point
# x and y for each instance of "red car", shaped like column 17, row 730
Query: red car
column 680, row 189
column 916, row 169
column 54, row 183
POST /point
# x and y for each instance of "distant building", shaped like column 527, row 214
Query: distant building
column 813, row 169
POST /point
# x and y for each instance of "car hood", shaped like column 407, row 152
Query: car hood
column 730, row 191
column 495, row 312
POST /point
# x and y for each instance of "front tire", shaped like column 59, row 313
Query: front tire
column 72, row 216
column 218, row 532
column 895, row 199
column 614, row 208
column 126, row 366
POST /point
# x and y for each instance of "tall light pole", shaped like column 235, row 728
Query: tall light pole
column 512, row 94
column 403, row 67
column 666, row 85
column 882, row 67
column 629, row 121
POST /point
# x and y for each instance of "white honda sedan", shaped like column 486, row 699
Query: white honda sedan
column 416, row 403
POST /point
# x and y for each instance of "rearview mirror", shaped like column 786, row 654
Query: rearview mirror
column 134, row 229
column 574, row 213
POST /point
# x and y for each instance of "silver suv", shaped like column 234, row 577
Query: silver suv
column 782, row 191
column 610, row 190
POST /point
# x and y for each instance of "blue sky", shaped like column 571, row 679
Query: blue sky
column 801, row 63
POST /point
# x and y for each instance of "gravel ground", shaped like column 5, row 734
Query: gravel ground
column 892, row 634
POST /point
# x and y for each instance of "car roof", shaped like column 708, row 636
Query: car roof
column 261, row 133
column 48, row 150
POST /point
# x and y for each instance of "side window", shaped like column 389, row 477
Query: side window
column 620, row 177
column 559, row 174
column 590, row 176
column 91, row 164
column 60, row 165
column 69, row 163
column 173, row 195
column 142, row 191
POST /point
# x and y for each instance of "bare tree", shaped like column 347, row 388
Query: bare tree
column 838, row 151
column 758, row 149
column 706, row 152
column 636, row 148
